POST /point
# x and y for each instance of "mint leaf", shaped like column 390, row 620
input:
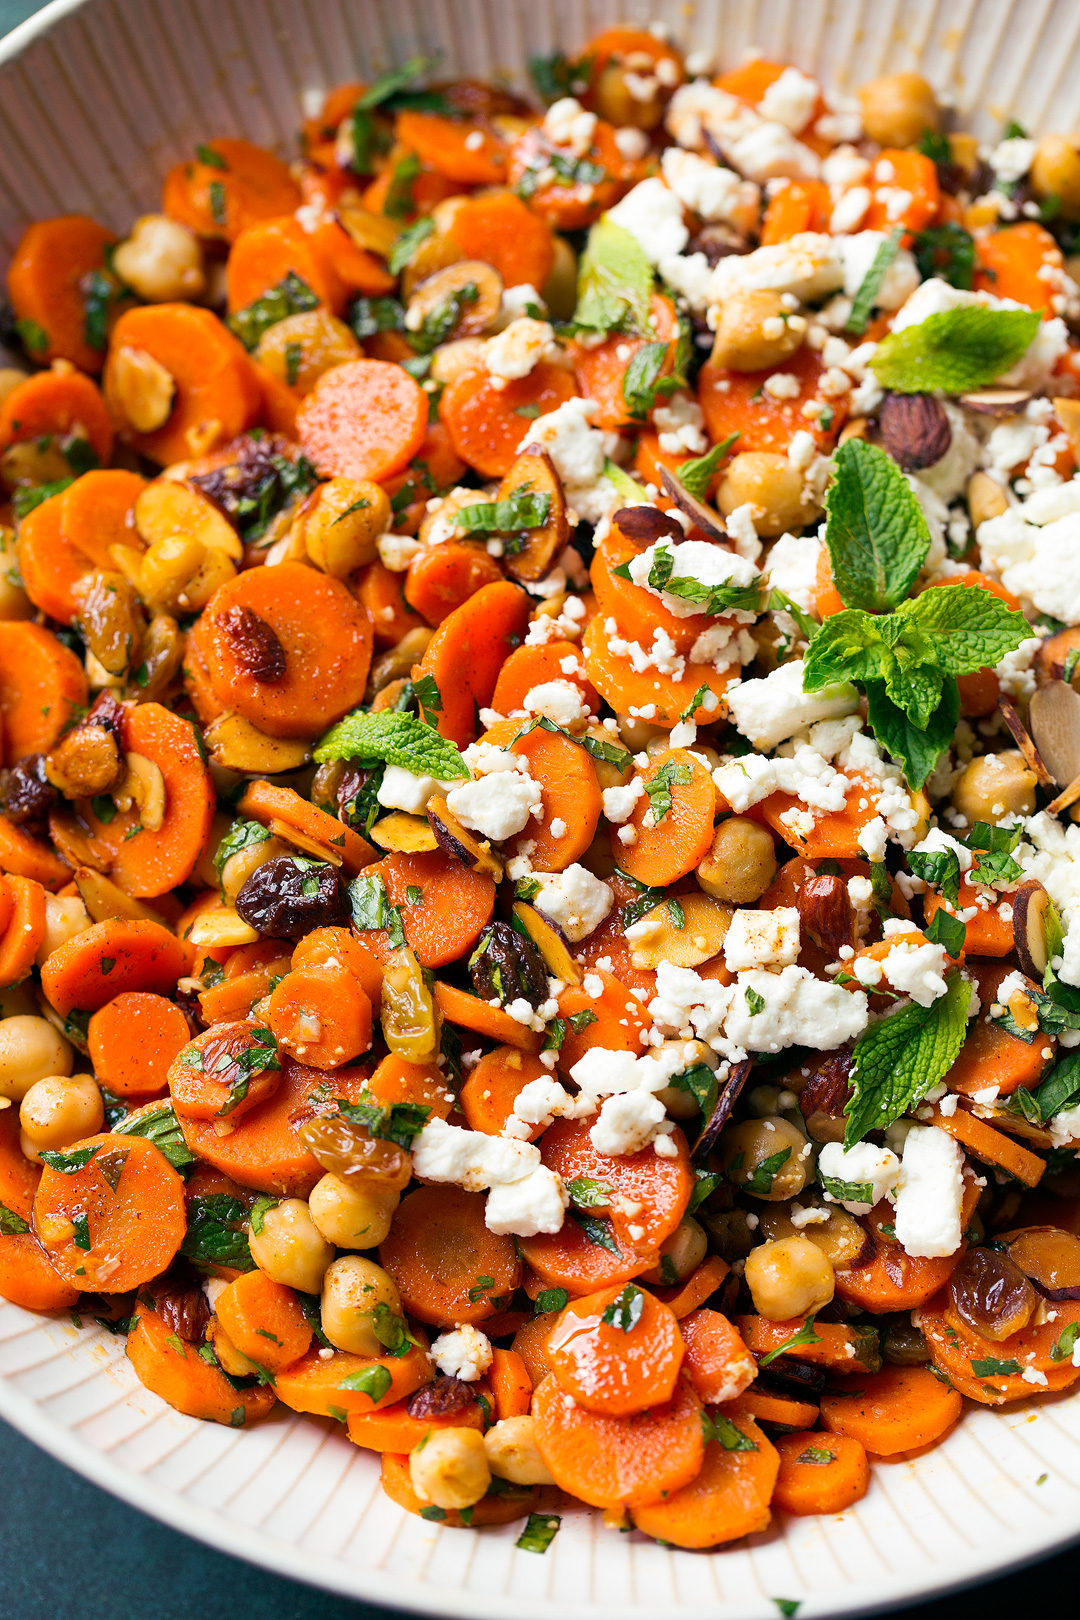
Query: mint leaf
column 625, row 1312
column 539, row 1532
column 710, row 598
column 658, row 791
column 624, row 484
column 373, row 1381
column 948, row 252
column 161, row 1127
column 216, row 1233
column 939, row 867
column 876, row 532
column 955, row 351
column 520, row 510
column 916, row 751
column 368, row 902
column 396, row 80
column 870, row 286
column 895, row 1063
column 696, row 475
column 1060, row 1089
column 849, row 646
column 11, row 1224
column 585, row 1193
column 945, row 929
column 970, row 627
column 777, row 602
column 716, row 1426
column 764, row 1174
column 850, row 1192
column 290, row 296
column 992, row 1367
column 398, row 739
column 615, row 281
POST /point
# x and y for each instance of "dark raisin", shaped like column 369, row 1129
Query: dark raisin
column 825, row 1096
column 28, row 795
column 717, row 242
column 106, row 711
column 235, row 486
column 826, row 913
column 991, row 1295
column 255, row 646
column 441, row 1398
column 507, row 966
column 288, row 897
column 182, row 1307
column 647, row 524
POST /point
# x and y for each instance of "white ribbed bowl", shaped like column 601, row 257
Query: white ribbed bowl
column 97, row 98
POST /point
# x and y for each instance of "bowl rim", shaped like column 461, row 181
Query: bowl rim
column 331, row 1573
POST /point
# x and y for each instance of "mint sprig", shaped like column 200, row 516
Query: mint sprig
column 696, row 475
column 394, row 738
column 615, row 282
column 897, row 1061
column 876, row 532
column 955, row 350
column 870, row 286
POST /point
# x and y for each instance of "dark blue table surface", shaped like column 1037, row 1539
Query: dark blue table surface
column 70, row 1552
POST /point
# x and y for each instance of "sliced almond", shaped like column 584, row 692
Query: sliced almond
column 533, row 473
column 237, row 745
column 1054, row 718
column 684, row 931
column 300, row 840
column 410, row 835
column 997, row 401
column 372, row 232
column 985, row 498
column 220, row 927
column 104, row 899
column 706, row 517
column 1023, row 741
column 143, row 789
column 458, row 841
column 166, row 510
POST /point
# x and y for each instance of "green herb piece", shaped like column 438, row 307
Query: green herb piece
column 697, row 474
column 581, row 1020
column 241, row 835
column 554, row 1035
column 483, row 1285
column 371, row 1381
column 788, row 1607
column 212, row 159
column 596, row 1231
column 99, row 292
column 1065, row 1344
column 955, row 351
column 216, row 1233
column 777, row 602
column 161, row 1127
column 412, row 238
column 68, row 1164
column 642, row 384
column 551, row 1299
column 11, row 1224
column 294, row 354
column 393, row 738
column 708, row 598
column 219, row 212
column 805, row 1336
column 720, row 1428
column 588, row 1194
column 625, row 1312
column 701, row 1083
column 539, row 1532
column 290, row 296
column 259, row 1211
column 876, row 532
column 848, row 1192
column 436, row 1514
column 529, row 412
column 615, row 282
column 34, row 338
column 658, row 791
column 947, row 930
column 369, row 902
column 916, row 750
column 818, row 1456
column 439, row 323
column 867, row 295
column 390, row 1330
column 992, row 1368
column 390, row 85
column 520, row 510
column 705, row 1184
column 399, row 199
column 367, row 316
column 940, row 868
column 764, row 1174
column 26, row 499
column 755, row 1002
column 556, row 76
column 105, row 810
column 81, row 1223
column 1060, row 1089
column 398, row 1123
column 428, row 697
column 897, row 1060
column 947, row 252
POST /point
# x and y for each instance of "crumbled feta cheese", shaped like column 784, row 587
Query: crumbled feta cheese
column 775, row 707
column 862, row 1166
column 705, row 188
column 402, row 790
column 396, row 551
column 524, row 1198
column 498, row 804
column 917, row 971
column 578, row 452
column 654, row 217
column 798, row 1009
column 632, row 143
column 629, row 1122
column 515, row 351
column 929, row 1194
column 790, row 100
column 699, row 560
column 574, row 899
column 560, row 701
column 619, row 802
column 567, row 124
column 1011, row 159
column 762, row 939
column 464, row 1353
column 1034, row 549
column 680, row 424
column 542, row 1101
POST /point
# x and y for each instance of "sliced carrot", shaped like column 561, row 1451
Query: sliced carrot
column 659, row 698
column 973, row 1364
column 133, row 1203
column 988, row 934
column 617, row 1021
column 820, row 1473
column 217, row 396
column 504, row 1508
column 26, row 1277
column 435, row 467
column 45, row 282
column 456, row 904
column 264, row 1149
column 270, row 802
column 528, row 667
column 391, row 1428
column 221, row 198
column 382, row 592
column 29, row 857
column 264, row 1320
column 571, row 205
column 839, row 1347
column 781, row 1412
column 278, row 403
column 363, row 419
column 108, row 958
column 581, row 1262
column 728, row 1498
column 323, row 632
column 834, row 836
column 450, row 148
column 441, row 578
column 601, row 369
column 25, row 931
column 268, row 251
column 42, row 685
column 340, row 945
column 619, row 1461
column 57, row 405
column 59, row 543
column 990, row 1055
column 572, row 800
column 467, row 652
column 487, row 1097
column 133, row 1040
column 992, row 1146
column 321, row 1015
column 531, row 1344
column 801, row 206
column 718, row 1364
column 396, row 1081
column 235, row 998
column 896, row 1409
column 439, row 1248
column 357, row 270
column 321, row 1385
column 486, row 424
column 470, row 1012
column 617, row 1351
column 1011, row 264
column 893, row 1280
column 178, row 1374
column 915, row 176
column 207, row 1082
column 737, row 402
column 660, row 1187
column 511, row 1385
column 636, row 611
column 686, row 1297
column 498, row 228
column 671, row 843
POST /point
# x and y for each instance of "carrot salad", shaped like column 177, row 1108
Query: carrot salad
column 540, row 837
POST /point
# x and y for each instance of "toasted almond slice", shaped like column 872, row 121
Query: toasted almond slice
column 166, row 510
column 1023, row 741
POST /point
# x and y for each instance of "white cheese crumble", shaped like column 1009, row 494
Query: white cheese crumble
column 464, row 1353
column 863, row 1165
column 514, row 352
column 774, row 707
column 560, row 701
column 762, row 939
column 654, row 217
column 929, row 1194
column 917, row 971
column 699, row 560
column 497, row 805
column 575, row 900
column 578, row 452
column 524, row 1197
column 402, row 790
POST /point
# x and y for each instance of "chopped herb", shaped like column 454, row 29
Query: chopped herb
column 696, row 475
column 412, row 238
column 11, row 1224
column 483, row 1285
column 596, row 1231
column 658, row 790
column 625, row 1312
column 539, row 1532
column 585, row 1193
column 372, row 1381
column 755, row 1002
column 398, row 1123
column 294, row 354
column 34, row 338
column 259, row 1211
column 216, row 1233
column 718, row 1427
column 68, row 1164
column 217, row 200
column 551, row 1299
column 581, row 1020
column 290, row 296
column 1065, row 1344
column 764, row 1174
column 866, row 297
column 991, row 1367
column 367, row 316
column 818, row 1456
column 26, row 499
column 520, row 510
column 212, row 159
column 399, row 199
column 805, row 1336
column 390, row 1330
column 437, row 1514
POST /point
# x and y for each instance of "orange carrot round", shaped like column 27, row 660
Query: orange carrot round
column 437, row 1249
column 177, row 1373
column 618, row 1351
column 382, row 592
column 321, row 1015
column 440, row 579
column 268, row 251
column 108, row 958
column 896, row 1409
column 820, row 1473
column 659, row 1187
column 447, row 146
column 210, row 1078
column 728, row 1498
column 393, row 1428
column 469, row 1012
column 57, row 404
column 45, row 283
column 264, row 1320
column 320, row 1385
column 133, row 1040
column 661, row 698
column 619, row 1461
column 221, row 198
column 718, row 1364
column 617, row 1022
column 671, row 842
column 25, row 931
column 467, row 652
column 456, row 903
column 363, row 419
column 486, row 423
column 59, row 543
column 487, row 1097
column 498, row 228
column 527, row 667
column 511, row 1384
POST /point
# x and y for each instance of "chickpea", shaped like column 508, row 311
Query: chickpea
column 789, row 1278
column 161, row 260
column 65, row 916
column 681, row 1254
column 559, row 291
column 33, row 461
column 30, row 1049
column 899, row 108
column 510, row 1446
column 300, row 348
column 772, row 487
column 290, row 1248
column 755, row 331
column 181, row 574
column 741, row 863
column 747, row 1147
column 59, row 1110
column 994, row 786
column 450, row 1468
column 839, row 1236
column 1055, row 172
column 341, row 522
column 352, row 1216
column 637, row 734
column 352, row 1289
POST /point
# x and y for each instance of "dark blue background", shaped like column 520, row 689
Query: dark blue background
column 70, row 1552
